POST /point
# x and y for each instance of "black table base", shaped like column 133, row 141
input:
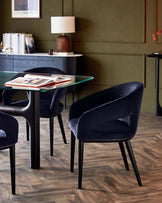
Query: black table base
column 32, row 114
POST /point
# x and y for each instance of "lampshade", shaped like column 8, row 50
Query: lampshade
column 63, row 24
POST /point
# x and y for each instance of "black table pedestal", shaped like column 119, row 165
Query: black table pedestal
column 32, row 114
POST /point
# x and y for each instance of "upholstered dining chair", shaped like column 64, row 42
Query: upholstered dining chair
column 8, row 139
column 110, row 115
column 50, row 105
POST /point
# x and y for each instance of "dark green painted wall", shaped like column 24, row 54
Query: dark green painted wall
column 40, row 28
column 114, row 37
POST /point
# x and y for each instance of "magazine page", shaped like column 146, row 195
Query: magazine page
column 34, row 80
column 57, row 78
column 29, row 82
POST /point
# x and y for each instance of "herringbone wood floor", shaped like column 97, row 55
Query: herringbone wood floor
column 104, row 176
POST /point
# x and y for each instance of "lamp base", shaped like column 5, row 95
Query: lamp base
column 63, row 43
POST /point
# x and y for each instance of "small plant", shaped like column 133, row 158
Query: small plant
column 155, row 35
column 5, row 49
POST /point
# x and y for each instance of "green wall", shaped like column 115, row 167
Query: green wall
column 114, row 37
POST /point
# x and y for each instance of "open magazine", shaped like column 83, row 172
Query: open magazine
column 36, row 81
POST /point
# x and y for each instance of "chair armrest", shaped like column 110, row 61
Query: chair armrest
column 7, row 96
column 90, row 102
column 113, row 110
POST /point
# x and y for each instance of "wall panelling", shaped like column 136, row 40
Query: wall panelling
column 114, row 37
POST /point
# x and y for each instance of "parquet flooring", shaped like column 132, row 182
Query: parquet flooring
column 104, row 176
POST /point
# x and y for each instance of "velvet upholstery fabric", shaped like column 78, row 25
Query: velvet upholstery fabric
column 2, row 134
column 111, row 114
column 8, row 130
column 8, row 139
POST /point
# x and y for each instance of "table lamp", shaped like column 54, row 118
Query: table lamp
column 63, row 24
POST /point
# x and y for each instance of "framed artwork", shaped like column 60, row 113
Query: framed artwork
column 25, row 8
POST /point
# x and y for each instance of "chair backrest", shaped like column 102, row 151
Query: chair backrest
column 50, row 70
column 55, row 95
column 118, row 102
column 9, row 130
column 132, row 92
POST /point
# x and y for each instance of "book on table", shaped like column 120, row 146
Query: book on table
column 36, row 81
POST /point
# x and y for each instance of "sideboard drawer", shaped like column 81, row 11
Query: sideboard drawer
column 6, row 63
column 56, row 62
column 22, row 63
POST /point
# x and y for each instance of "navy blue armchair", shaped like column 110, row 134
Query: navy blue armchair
column 110, row 115
column 50, row 105
column 8, row 139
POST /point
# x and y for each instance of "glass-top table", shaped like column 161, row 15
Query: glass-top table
column 6, row 76
column 32, row 111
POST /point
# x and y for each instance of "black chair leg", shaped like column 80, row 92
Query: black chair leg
column 65, row 101
column 80, row 163
column 72, row 152
column 72, row 96
column 62, row 128
column 132, row 158
column 12, row 168
column 27, row 131
column 51, row 123
column 124, row 155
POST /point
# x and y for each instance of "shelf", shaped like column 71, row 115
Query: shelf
column 43, row 54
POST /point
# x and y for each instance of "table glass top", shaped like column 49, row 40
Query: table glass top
column 6, row 76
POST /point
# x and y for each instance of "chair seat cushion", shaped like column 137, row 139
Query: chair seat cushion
column 108, row 131
column 8, row 130
column 20, row 103
column 2, row 134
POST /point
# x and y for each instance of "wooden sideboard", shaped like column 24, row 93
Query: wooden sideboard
column 70, row 64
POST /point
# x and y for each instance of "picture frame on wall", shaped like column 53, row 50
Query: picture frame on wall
column 25, row 8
